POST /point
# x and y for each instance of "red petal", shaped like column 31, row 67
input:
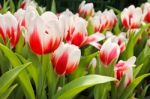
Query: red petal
column 77, row 39
column 35, row 42
column 112, row 55
column 61, row 65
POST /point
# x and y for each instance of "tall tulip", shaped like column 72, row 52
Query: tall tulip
column 124, row 68
column 66, row 58
column 146, row 12
column 104, row 20
column 76, row 33
column 109, row 52
column 86, row 10
column 131, row 17
column 44, row 33
column 9, row 28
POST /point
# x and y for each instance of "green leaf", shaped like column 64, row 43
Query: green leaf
column 82, row 65
column 8, row 92
column 76, row 86
column 53, row 7
column 129, row 90
column 7, row 78
column 32, row 69
column 137, row 70
column 24, row 79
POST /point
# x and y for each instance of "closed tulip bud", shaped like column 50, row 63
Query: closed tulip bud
column 131, row 17
column 45, row 33
column 124, row 68
column 66, row 58
column 109, row 52
column 86, row 10
column 146, row 12
column 9, row 28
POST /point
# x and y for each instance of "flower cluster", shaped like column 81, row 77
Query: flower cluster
column 109, row 43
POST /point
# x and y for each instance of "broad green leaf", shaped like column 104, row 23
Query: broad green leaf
column 8, row 92
column 7, row 78
column 76, row 86
column 129, row 90
column 32, row 69
column 24, row 79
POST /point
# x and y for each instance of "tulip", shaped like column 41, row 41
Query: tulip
column 120, row 42
column 146, row 12
column 109, row 52
column 104, row 20
column 9, row 28
column 124, row 68
column 76, row 33
column 66, row 58
column 86, row 10
column 26, row 16
column 45, row 33
column 131, row 17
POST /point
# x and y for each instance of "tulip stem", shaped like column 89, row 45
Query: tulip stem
column 41, row 94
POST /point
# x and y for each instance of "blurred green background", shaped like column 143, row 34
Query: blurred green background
column 61, row 5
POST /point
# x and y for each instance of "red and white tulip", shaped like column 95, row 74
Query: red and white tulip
column 146, row 12
column 118, row 41
column 45, row 34
column 9, row 28
column 86, row 10
column 104, row 20
column 124, row 68
column 131, row 17
column 109, row 52
column 66, row 58
column 76, row 32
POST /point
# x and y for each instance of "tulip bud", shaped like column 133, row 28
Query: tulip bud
column 45, row 33
column 104, row 20
column 131, row 17
column 9, row 28
column 86, row 10
column 109, row 52
column 76, row 32
column 66, row 58
column 124, row 68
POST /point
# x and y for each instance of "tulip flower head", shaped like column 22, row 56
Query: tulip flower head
column 76, row 32
column 86, row 10
column 104, row 20
column 120, row 42
column 66, row 58
column 124, row 68
column 9, row 28
column 109, row 52
column 45, row 33
column 146, row 12
column 131, row 17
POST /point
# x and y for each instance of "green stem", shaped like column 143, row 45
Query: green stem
column 41, row 94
